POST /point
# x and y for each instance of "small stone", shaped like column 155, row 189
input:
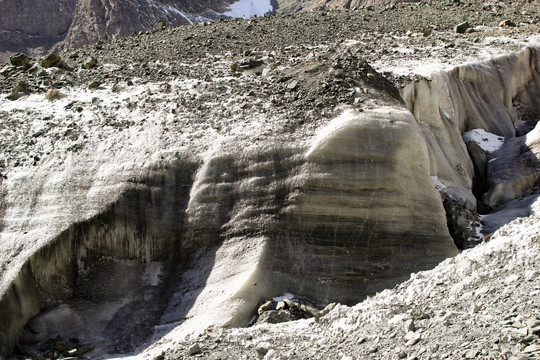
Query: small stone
column 50, row 60
column 507, row 23
column 19, row 59
column 52, row 94
column 250, row 64
column 415, row 339
column 372, row 350
column 94, row 85
column 89, row 63
column 410, row 335
column 475, row 307
column 532, row 348
column 263, row 348
column 471, row 354
column 293, row 85
column 461, row 28
column 194, row 349
column 289, row 304
column 409, row 325
column 160, row 25
column 275, row 317
column 265, row 307
column 523, row 331
column 281, row 306
column 271, row 355
column 517, row 324
column 72, row 352
column 14, row 96
column 328, row 308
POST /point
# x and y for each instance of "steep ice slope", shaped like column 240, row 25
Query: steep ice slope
column 218, row 214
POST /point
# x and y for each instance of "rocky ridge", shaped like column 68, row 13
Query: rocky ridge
column 293, row 79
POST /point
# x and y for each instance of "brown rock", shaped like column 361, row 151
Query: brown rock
column 90, row 63
column 52, row 94
column 50, row 61
column 19, row 59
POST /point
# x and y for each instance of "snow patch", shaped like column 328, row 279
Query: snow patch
column 487, row 141
column 249, row 8
column 286, row 296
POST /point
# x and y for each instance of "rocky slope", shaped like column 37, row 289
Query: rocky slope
column 147, row 197
column 37, row 28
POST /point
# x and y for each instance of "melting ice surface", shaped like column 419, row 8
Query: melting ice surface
column 249, row 8
column 487, row 141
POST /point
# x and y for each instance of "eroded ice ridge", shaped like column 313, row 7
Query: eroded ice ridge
column 156, row 230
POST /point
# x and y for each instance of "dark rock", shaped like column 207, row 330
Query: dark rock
column 47, row 345
column 250, row 64
column 19, row 59
column 461, row 28
column 94, row 85
column 51, row 60
column 275, row 317
column 507, row 23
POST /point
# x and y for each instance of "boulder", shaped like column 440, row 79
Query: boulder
column 462, row 27
column 19, row 59
column 51, row 60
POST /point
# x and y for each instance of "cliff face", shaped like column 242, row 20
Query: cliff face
column 35, row 28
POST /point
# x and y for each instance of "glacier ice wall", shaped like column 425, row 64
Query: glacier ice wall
column 150, row 235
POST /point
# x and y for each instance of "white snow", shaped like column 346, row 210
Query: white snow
column 487, row 141
column 249, row 8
